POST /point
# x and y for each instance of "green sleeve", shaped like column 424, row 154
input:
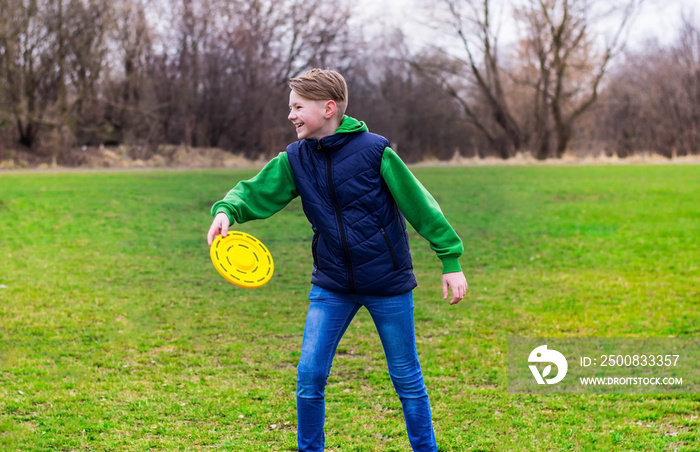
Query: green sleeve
column 421, row 211
column 262, row 196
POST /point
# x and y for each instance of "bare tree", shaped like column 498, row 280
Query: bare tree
column 85, row 39
column 568, row 67
column 28, row 84
column 265, row 43
column 685, row 110
column 51, row 56
column 79, row 29
column 561, row 62
column 418, row 117
column 221, row 77
column 475, row 79
column 652, row 102
column 126, row 83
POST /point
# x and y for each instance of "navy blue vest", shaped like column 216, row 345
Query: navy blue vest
column 360, row 242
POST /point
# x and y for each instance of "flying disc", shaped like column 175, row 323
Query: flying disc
column 242, row 260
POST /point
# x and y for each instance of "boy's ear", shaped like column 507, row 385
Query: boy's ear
column 331, row 108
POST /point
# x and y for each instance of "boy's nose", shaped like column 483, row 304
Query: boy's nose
column 291, row 115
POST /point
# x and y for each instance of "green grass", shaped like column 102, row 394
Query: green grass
column 116, row 332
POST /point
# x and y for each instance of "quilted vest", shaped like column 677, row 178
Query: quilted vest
column 360, row 242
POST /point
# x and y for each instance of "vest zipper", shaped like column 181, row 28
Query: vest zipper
column 339, row 219
column 391, row 249
column 314, row 249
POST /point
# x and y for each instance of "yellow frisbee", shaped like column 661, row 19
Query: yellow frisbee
column 242, row 259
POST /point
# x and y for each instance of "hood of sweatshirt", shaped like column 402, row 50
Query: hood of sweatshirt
column 350, row 125
column 342, row 135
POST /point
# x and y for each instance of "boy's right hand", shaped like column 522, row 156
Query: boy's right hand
column 218, row 226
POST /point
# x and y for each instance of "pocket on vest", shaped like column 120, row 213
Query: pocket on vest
column 391, row 248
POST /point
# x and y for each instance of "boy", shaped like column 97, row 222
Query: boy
column 355, row 192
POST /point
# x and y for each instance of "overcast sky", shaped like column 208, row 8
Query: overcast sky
column 658, row 19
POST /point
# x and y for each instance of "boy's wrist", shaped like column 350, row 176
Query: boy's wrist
column 450, row 265
column 225, row 211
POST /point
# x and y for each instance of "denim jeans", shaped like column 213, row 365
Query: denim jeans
column 329, row 315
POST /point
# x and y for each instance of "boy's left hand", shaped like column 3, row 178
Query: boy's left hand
column 458, row 283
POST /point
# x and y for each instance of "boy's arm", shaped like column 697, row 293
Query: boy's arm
column 262, row 196
column 422, row 211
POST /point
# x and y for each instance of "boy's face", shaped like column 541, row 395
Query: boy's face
column 311, row 117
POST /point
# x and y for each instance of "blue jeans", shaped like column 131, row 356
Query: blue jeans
column 329, row 315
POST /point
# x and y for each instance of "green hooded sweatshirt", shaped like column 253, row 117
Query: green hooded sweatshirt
column 273, row 188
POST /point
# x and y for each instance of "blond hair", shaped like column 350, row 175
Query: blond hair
column 322, row 84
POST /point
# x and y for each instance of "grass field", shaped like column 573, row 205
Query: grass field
column 117, row 334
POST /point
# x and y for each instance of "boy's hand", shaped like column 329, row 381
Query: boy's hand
column 218, row 226
column 458, row 283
